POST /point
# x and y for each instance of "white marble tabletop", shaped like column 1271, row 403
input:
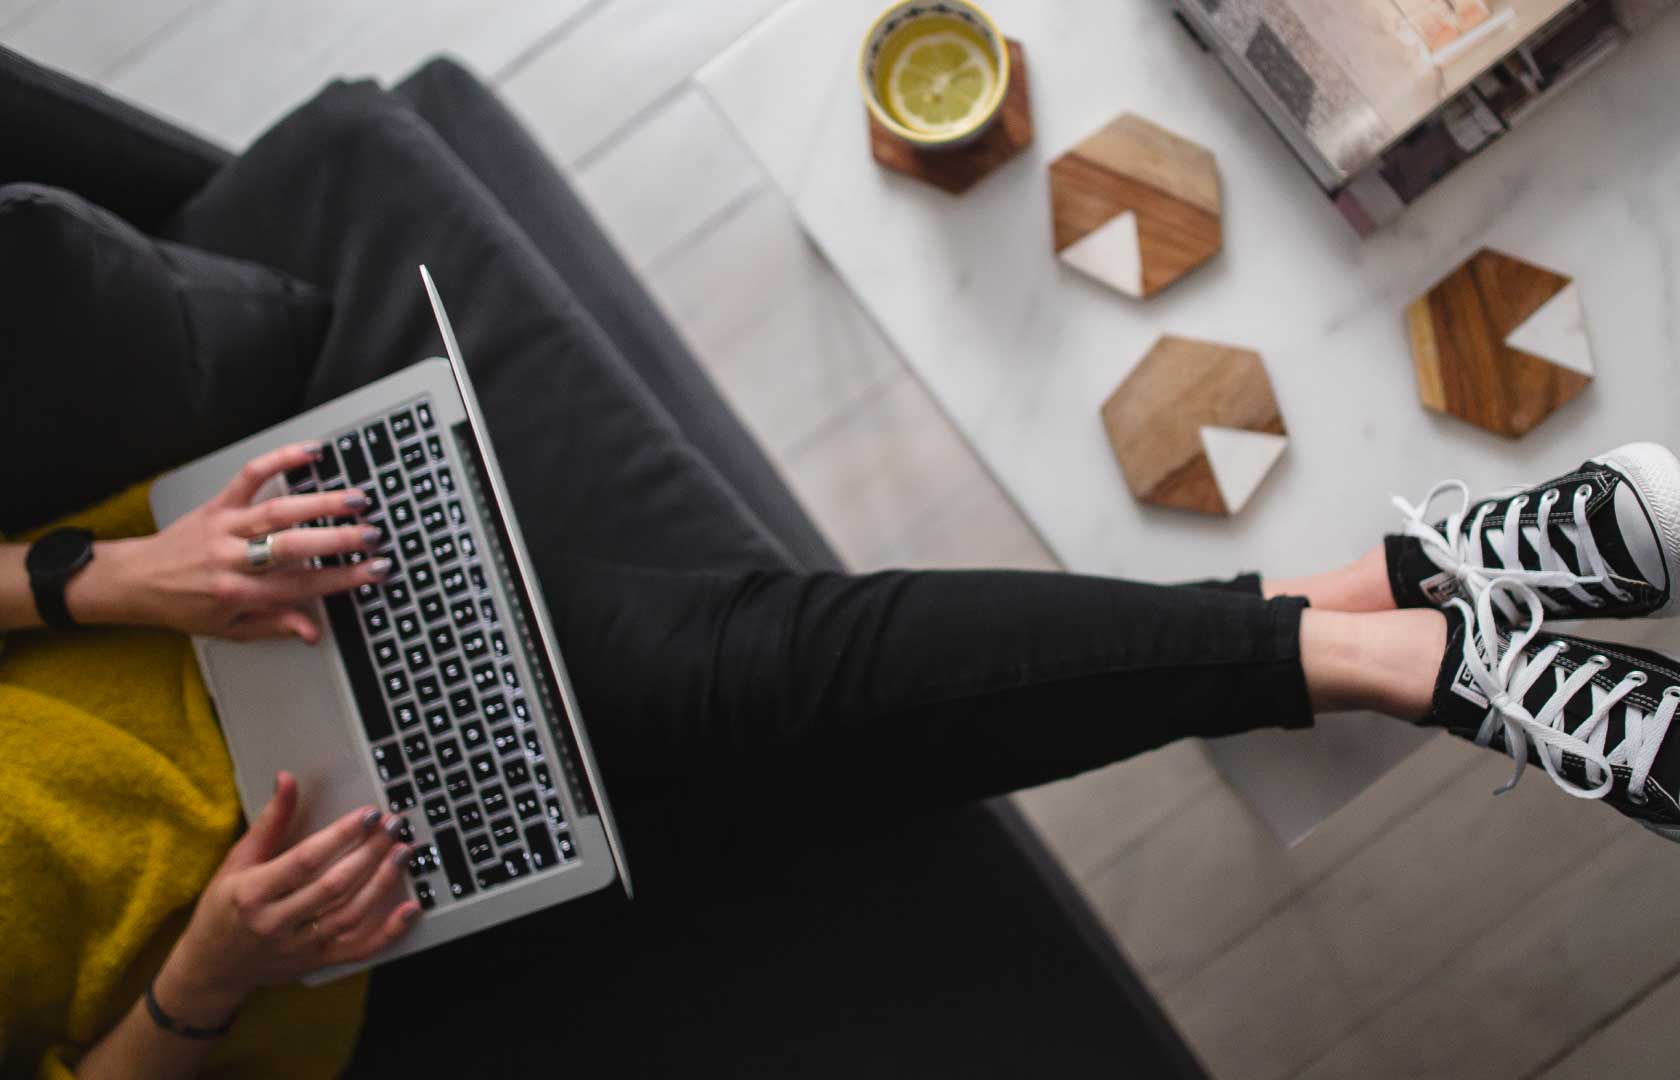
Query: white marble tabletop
column 1020, row 350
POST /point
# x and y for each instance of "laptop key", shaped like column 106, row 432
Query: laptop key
column 542, row 849
column 454, row 582
column 504, row 739
column 432, row 518
column 494, row 800
column 426, row 688
column 434, row 447
column 532, row 746
column 551, row 807
column 453, row 670
column 377, row 438
column 397, row 595
column 417, row 658
column 448, row 844
column 416, row 747
column 396, row 683
column 448, row 753
column 521, row 711
column 376, row 621
column 390, row 483
column 526, row 804
column 423, row 861
column 516, row 772
column 563, row 841
column 458, row 784
column 472, row 734
column 484, row 676
column 463, row 612
column 408, row 625
column 405, row 714
column 479, row 848
column 423, row 413
column 469, row 815
column 402, row 424
column 327, row 467
column 349, row 446
column 412, row 546
column 443, row 639
column 412, row 456
column 461, row 703
column 420, row 576
column 364, row 682
column 487, row 608
column 498, row 643
column 510, row 677
column 484, row 767
column 495, row 708
column 504, row 831
column 469, row 547
column 446, row 481
column 476, row 572
column 387, row 762
column 443, row 550
column 402, row 514
column 437, row 722
column 400, row 797
column 437, row 810
column 513, row 865
column 473, row 644
column 431, row 606
column 457, row 516
column 423, row 893
column 423, row 486
column 426, row 778
column 385, row 652
column 544, row 781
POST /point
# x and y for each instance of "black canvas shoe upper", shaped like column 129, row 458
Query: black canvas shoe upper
column 1595, row 716
column 1585, row 541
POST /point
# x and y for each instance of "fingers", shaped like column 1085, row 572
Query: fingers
column 343, row 879
column 284, row 622
column 268, row 831
column 257, row 472
column 373, row 935
column 309, row 857
column 366, row 907
column 295, row 545
column 285, row 511
column 263, row 592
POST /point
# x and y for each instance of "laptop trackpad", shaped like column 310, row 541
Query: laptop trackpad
column 282, row 708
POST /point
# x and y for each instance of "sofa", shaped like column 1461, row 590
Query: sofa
column 944, row 942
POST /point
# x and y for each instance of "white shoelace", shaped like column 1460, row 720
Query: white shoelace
column 1505, row 677
column 1459, row 551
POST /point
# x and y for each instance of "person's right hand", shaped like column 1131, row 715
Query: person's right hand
column 272, row 915
column 195, row 576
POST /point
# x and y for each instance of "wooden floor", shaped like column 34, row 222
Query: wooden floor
column 1427, row 930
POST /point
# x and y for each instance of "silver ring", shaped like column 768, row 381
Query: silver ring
column 259, row 553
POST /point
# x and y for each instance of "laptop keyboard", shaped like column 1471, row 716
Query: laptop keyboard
column 450, row 730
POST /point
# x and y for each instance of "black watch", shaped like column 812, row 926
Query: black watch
column 52, row 561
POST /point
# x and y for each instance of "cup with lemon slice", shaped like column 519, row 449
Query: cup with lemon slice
column 934, row 72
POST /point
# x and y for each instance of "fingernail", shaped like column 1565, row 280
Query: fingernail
column 394, row 827
column 371, row 536
column 411, row 914
column 379, row 567
column 399, row 856
column 356, row 501
column 369, row 819
column 313, row 449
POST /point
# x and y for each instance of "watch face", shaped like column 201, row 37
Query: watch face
column 60, row 553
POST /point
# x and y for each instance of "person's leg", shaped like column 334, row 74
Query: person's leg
column 1361, row 585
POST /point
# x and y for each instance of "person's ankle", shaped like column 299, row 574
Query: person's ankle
column 1384, row 661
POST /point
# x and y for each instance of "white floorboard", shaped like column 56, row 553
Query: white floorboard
column 89, row 38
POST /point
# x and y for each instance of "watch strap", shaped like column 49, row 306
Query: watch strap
column 49, row 601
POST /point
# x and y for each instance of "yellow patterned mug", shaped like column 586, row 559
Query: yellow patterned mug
column 934, row 72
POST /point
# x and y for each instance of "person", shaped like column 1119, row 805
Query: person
column 1443, row 625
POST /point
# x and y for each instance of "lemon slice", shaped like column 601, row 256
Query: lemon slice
column 940, row 83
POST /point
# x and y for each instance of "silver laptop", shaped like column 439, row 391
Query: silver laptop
column 438, row 694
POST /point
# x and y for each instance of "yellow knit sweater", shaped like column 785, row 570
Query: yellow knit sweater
column 116, row 805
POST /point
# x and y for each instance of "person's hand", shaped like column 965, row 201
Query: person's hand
column 195, row 576
column 270, row 916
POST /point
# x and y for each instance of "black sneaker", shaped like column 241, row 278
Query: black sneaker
column 1600, row 542
column 1594, row 715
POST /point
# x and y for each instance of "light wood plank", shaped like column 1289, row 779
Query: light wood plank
column 887, row 472
column 619, row 62
column 238, row 65
column 1582, row 942
column 1642, row 1043
column 776, row 328
column 1381, row 922
column 680, row 169
column 88, row 38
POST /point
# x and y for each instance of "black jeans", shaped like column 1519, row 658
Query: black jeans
column 739, row 705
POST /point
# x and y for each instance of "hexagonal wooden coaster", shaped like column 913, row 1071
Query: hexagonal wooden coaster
column 960, row 168
column 1135, row 206
column 1195, row 426
column 1500, row 342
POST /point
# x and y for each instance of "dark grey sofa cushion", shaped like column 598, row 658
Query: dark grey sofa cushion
column 188, row 351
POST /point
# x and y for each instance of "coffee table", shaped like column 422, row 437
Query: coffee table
column 1020, row 350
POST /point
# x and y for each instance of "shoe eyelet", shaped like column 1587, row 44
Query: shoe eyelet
column 1637, row 798
column 1520, row 501
column 1584, row 489
column 1596, row 601
column 1549, row 496
column 1673, row 691
column 1598, row 659
column 1638, row 678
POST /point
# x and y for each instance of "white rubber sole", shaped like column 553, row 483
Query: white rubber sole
column 1654, row 473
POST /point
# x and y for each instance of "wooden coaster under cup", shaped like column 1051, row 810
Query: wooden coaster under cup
column 958, row 169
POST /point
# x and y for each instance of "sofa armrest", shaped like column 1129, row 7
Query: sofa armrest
column 66, row 134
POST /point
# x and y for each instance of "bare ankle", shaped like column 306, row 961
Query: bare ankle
column 1385, row 661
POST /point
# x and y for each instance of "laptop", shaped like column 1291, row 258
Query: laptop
column 439, row 694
